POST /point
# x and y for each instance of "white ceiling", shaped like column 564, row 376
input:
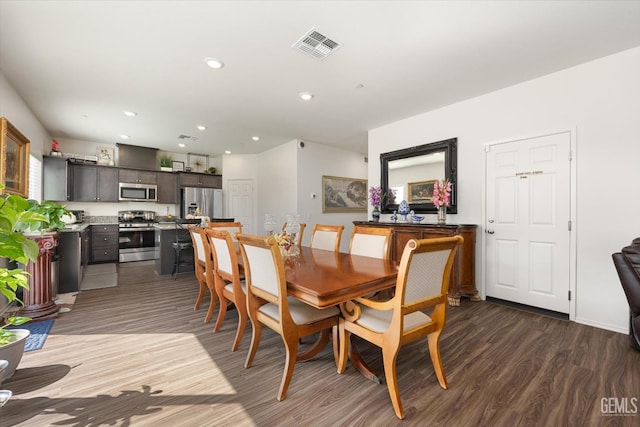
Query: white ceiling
column 78, row 65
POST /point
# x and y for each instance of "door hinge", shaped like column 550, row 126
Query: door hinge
column 570, row 155
column 569, row 295
column 569, row 225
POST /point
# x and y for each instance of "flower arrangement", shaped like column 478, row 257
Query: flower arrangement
column 285, row 240
column 55, row 146
column 442, row 193
column 375, row 196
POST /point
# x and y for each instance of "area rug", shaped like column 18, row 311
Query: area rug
column 39, row 332
column 98, row 276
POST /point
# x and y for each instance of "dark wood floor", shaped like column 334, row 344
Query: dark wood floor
column 138, row 354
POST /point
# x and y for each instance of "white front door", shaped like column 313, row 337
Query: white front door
column 240, row 203
column 528, row 229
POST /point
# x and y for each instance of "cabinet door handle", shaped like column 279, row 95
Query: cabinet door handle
column 106, row 238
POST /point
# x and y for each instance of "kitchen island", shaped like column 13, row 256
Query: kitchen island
column 165, row 236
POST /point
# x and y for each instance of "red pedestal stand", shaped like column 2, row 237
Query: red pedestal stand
column 38, row 300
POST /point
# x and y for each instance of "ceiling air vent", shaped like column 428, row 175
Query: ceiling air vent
column 316, row 44
column 192, row 138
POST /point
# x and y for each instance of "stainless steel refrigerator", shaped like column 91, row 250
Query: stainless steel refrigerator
column 208, row 200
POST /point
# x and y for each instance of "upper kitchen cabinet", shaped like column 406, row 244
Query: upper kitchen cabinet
column 132, row 176
column 56, row 184
column 167, row 188
column 93, row 183
column 200, row 180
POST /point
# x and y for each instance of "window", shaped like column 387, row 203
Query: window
column 35, row 178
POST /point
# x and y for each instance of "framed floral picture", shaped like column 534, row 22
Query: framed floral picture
column 421, row 191
column 14, row 160
column 343, row 194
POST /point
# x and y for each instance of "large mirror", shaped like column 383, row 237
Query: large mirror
column 411, row 173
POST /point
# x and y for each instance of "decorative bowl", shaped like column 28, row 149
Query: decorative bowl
column 417, row 219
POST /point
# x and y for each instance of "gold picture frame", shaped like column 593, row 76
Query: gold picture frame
column 14, row 159
column 421, row 191
column 343, row 194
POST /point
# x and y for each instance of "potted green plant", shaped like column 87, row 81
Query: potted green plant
column 166, row 163
column 17, row 217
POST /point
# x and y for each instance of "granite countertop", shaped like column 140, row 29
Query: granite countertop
column 75, row 228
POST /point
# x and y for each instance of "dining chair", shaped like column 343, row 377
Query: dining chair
column 326, row 237
column 422, row 283
column 232, row 227
column 200, row 257
column 370, row 241
column 225, row 277
column 300, row 233
column 269, row 305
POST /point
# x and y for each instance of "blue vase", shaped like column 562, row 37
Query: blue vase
column 375, row 214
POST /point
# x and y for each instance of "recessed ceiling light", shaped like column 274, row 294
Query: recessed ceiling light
column 255, row 138
column 125, row 136
column 130, row 113
column 200, row 127
column 181, row 145
column 306, row 96
column 214, row 62
column 227, row 152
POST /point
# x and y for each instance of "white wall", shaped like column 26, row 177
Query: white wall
column 599, row 99
column 314, row 161
column 20, row 115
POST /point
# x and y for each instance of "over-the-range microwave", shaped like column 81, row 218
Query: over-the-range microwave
column 138, row 192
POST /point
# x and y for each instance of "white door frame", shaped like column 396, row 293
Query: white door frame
column 572, row 214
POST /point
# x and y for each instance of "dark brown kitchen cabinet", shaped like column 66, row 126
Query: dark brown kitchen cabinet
column 463, row 276
column 200, row 180
column 167, row 188
column 133, row 176
column 92, row 183
column 104, row 243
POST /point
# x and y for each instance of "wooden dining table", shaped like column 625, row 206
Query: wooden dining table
column 325, row 279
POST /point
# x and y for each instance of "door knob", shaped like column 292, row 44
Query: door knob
column 490, row 231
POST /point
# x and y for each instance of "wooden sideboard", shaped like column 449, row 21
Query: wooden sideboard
column 463, row 276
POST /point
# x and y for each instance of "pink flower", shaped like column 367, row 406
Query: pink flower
column 441, row 193
column 55, row 146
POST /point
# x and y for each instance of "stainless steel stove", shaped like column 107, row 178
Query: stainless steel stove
column 136, row 236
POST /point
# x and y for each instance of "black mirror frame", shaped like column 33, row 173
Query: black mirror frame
column 449, row 146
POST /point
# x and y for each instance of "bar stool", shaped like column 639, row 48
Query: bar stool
column 182, row 242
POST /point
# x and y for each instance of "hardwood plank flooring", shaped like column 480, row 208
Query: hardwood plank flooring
column 138, row 354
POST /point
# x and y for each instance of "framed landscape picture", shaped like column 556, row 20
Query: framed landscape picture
column 421, row 191
column 14, row 160
column 344, row 194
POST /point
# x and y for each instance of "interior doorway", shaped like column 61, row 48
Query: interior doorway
column 528, row 240
column 240, row 203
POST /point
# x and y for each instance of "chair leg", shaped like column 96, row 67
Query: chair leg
column 389, row 356
column 335, row 341
column 434, row 352
column 242, row 325
column 176, row 264
column 212, row 307
column 255, row 341
column 291, row 347
column 200, row 295
column 343, row 346
column 221, row 313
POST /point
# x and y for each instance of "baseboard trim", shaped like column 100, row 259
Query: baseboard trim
column 529, row 308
